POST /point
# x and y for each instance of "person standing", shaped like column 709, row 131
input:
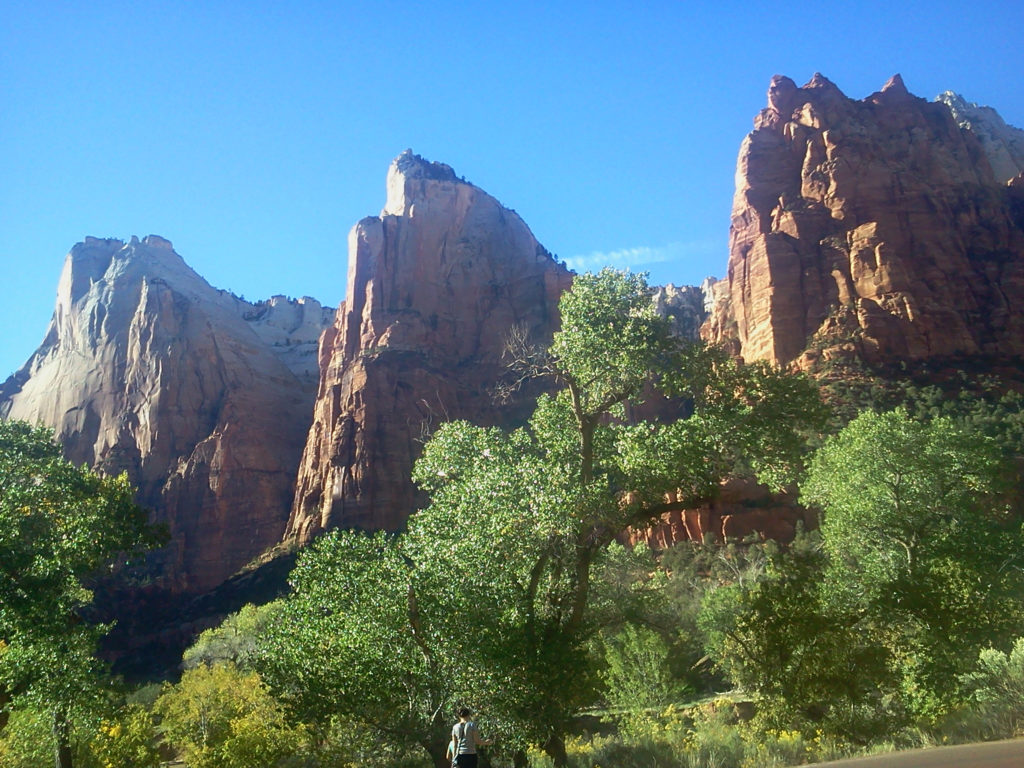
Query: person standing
column 465, row 740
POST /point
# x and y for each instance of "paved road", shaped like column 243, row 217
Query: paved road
column 996, row 754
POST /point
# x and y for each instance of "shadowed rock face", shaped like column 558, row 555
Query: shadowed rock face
column 202, row 398
column 874, row 228
column 1002, row 144
column 435, row 283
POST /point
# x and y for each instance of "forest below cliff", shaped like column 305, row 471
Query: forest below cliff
column 896, row 621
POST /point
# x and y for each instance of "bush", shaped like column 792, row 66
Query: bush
column 638, row 675
column 127, row 739
column 996, row 688
column 222, row 717
column 714, row 740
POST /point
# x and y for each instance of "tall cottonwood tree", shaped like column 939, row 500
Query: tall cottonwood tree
column 528, row 514
column 496, row 589
column 919, row 568
column 923, row 540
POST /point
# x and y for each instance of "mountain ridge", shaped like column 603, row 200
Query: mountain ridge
column 244, row 424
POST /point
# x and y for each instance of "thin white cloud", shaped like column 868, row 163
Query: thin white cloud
column 641, row 255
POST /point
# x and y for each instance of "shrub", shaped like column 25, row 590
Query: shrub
column 714, row 740
column 127, row 739
column 222, row 717
column 997, row 689
column 638, row 675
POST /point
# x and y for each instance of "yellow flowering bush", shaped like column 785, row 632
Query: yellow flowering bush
column 127, row 740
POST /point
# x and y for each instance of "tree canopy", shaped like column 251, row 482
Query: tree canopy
column 488, row 598
column 918, row 569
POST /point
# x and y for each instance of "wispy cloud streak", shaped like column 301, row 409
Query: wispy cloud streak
column 641, row 255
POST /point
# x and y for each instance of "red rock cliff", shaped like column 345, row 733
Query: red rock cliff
column 875, row 227
column 202, row 398
column 435, row 283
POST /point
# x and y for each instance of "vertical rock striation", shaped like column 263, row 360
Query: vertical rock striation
column 874, row 228
column 202, row 398
column 435, row 284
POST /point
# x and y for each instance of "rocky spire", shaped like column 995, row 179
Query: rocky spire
column 435, row 284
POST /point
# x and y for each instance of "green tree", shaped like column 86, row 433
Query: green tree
column 491, row 596
column 234, row 639
column 921, row 540
column 362, row 637
column 60, row 525
column 916, row 572
column 527, row 515
column 223, row 717
column 810, row 664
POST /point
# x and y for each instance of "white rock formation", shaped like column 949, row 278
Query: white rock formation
column 202, row 398
column 1003, row 144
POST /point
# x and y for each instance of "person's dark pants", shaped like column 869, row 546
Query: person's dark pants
column 466, row 761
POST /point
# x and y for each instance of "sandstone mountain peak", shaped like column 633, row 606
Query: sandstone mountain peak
column 155, row 241
column 781, row 94
column 818, row 80
column 435, row 285
column 893, row 91
column 414, row 166
column 1003, row 144
column 201, row 397
column 411, row 179
column 881, row 228
column 781, row 81
column 153, row 256
column 784, row 97
column 895, row 83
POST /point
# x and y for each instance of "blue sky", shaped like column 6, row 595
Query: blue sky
column 253, row 135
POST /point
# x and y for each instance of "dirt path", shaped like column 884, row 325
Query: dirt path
column 996, row 754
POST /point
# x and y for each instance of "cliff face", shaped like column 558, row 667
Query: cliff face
column 875, row 228
column 202, row 398
column 1002, row 144
column 435, row 283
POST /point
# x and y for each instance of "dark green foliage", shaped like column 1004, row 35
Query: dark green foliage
column 811, row 664
column 59, row 526
column 918, row 569
column 980, row 395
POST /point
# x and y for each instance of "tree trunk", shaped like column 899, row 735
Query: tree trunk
column 555, row 747
column 62, row 738
column 5, row 714
column 437, row 748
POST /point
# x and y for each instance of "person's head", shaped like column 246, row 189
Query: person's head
column 465, row 713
